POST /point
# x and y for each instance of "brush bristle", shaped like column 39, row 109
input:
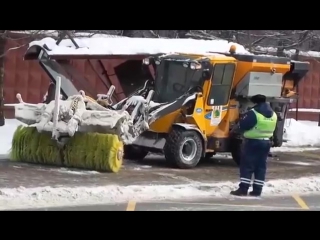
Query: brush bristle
column 91, row 151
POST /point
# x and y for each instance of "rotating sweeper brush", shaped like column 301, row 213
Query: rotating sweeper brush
column 78, row 131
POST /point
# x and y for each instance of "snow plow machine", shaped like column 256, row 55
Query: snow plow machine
column 189, row 111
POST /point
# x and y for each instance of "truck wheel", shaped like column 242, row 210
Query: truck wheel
column 134, row 153
column 183, row 148
column 236, row 145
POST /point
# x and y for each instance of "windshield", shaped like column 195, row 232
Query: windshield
column 173, row 79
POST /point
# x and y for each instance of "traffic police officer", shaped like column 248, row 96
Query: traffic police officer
column 258, row 126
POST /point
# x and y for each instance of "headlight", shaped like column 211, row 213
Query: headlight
column 146, row 61
column 195, row 66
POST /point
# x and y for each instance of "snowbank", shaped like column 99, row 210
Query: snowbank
column 136, row 46
column 301, row 134
column 50, row 197
column 6, row 134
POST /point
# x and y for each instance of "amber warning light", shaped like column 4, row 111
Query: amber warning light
column 233, row 49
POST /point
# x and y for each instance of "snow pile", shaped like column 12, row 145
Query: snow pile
column 6, row 134
column 136, row 46
column 49, row 197
column 301, row 134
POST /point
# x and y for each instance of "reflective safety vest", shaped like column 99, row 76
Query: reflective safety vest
column 264, row 128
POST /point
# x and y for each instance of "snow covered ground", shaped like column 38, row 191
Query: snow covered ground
column 300, row 136
column 15, row 198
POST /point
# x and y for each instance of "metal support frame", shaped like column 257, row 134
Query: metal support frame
column 65, row 33
column 55, row 133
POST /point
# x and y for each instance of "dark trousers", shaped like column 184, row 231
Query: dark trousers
column 254, row 162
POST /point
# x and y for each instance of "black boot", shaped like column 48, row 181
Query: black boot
column 255, row 194
column 239, row 192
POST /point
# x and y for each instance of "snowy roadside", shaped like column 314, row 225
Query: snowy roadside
column 6, row 134
column 16, row 198
column 300, row 136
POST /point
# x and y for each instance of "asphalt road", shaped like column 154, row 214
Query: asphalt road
column 153, row 171
column 288, row 203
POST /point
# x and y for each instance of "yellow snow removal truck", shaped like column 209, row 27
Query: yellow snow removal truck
column 189, row 111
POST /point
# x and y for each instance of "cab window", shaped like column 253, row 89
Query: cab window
column 221, row 84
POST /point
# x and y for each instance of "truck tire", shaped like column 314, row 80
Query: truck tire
column 277, row 138
column 236, row 145
column 134, row 153
column 183, row 148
